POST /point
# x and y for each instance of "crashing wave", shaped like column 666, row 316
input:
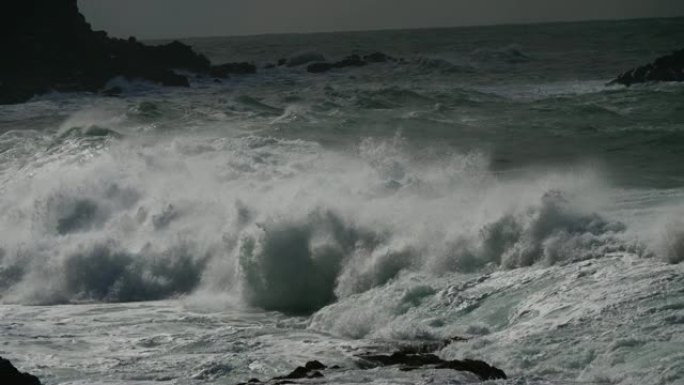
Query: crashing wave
column 284, row 225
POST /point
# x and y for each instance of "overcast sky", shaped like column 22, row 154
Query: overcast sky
column 185, row 18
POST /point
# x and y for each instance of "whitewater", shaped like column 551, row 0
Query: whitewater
column 488, row 186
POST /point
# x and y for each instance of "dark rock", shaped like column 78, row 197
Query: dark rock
column 349, row 61
column 9, row 375
column 269, row 66
column 480, row 368
column 299, row 372
column 224, row 70
column 48, row 45
column 281, row 62
column 410, row 362
column 668, row 68
column 315, row 374
column 310, row 370
column 315, row 365
column 378, row 57
column 253, row 381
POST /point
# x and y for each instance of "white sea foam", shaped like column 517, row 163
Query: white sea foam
column 284, row 224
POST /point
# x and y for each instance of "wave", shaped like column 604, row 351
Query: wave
column 442, row 65
column 304, row 57
column 510, row 54
column 284, row 224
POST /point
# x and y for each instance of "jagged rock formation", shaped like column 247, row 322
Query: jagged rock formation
column 350, row 61
column 669, row 68
column 404, row 361
column 9, row 375
column 408, row 362
column 48, row 45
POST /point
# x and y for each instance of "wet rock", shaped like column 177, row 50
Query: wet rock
column 349, row 61
column 9, row 375
column 224, row 70
column 408, row 362
column 315, row 365
column 302, row 372
column 669, row 68
column 299, row 372
column 378, row 57
column 404, row 361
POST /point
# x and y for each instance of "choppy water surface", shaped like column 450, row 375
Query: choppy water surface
column 491, row 186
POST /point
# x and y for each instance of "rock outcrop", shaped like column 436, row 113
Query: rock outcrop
column 669, row 68
column 404, row 362
column 48, row 45
column 350, row 61
column 9, row 375
column 408, row 362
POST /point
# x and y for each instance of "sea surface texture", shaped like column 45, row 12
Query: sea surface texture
column 489, row 186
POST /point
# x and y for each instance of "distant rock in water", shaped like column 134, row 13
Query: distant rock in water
column 349, row 61
column 9, row 375
column 378, row 57
column 48, row 45
column 408, row 362
column 405, row 362
column 669, row 68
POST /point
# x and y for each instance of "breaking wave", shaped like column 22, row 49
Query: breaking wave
column 281, row 224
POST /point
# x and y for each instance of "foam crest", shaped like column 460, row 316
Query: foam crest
column 284, row 225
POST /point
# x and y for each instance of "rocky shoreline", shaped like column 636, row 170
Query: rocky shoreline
column 668, row 68
column 51, row 47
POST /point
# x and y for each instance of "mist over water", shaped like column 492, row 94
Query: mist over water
column 491, row 186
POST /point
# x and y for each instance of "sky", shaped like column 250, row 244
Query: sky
column 194, row 18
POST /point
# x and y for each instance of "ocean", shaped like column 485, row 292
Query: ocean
column 488, row 186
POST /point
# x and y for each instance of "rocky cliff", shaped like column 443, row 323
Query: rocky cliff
column 48, row 45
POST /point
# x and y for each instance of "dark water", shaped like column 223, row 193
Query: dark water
column 490, row 186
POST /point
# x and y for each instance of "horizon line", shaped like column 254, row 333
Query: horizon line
column 463, row 26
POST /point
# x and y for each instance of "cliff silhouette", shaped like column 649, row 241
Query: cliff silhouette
column 49, row 45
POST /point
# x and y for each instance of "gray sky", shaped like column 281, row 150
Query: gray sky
column 185, row 18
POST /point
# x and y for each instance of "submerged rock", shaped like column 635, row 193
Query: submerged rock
column 378, row 57
column 50, row 46
column 409, row 362
column 405, row 362
column 9, row 375
column 669, row 68
column 350, row 61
